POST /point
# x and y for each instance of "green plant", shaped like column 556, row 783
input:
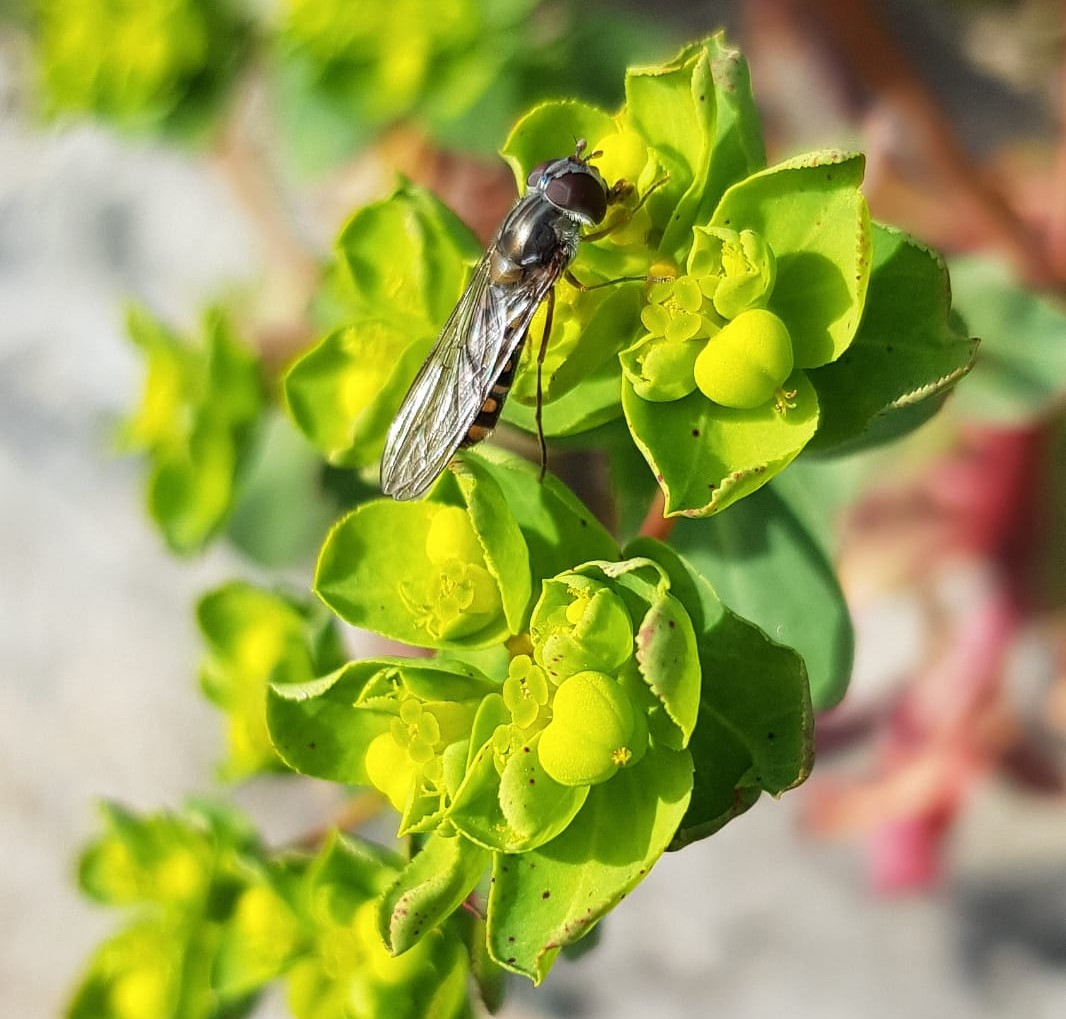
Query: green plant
column 335, row 74
column 592, row 698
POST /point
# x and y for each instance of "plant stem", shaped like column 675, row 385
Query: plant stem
column 287, row 256
column 656, row 523
column 352, row 813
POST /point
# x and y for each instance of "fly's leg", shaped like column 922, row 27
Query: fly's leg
column 586, row 287
column 548, row 313
column 618, row 191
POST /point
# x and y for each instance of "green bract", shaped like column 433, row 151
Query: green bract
column 196, row 424
column 386, row 568
column 252, row 638
column 780, row 273
column 140, row 63
column 400, row 267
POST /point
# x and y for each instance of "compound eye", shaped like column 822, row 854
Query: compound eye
column 537, row 172
column 579, row 193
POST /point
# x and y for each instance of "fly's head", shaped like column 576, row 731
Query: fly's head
column 573, row 186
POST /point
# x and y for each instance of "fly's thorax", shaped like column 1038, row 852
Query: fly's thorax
column 535, row 234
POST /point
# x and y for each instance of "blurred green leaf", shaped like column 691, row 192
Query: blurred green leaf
column 1020, row 372
column 747, row 555
column 196, row 424
column 253, row 637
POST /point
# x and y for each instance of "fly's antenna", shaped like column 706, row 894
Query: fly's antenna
column 580, row 144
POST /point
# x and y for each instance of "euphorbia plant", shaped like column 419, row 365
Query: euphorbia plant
column 587, row 700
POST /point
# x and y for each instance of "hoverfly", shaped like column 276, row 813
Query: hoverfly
column 457, row 395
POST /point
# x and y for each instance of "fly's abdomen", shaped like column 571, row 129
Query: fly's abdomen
column 490, row 410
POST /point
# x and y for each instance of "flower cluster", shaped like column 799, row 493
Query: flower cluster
column 206, row 893
column 710, row 328
column 559, row 693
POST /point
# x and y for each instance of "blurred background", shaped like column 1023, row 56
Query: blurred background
column 177, row 154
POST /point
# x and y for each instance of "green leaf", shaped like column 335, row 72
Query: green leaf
column 813, row 216
column 318, row 730
column 196, row 423
column 737, row 150
column 551, row 896
column 489, row 978
column 908, row 351
column 755, row 731
column 404, row 259
column 401, row 266
column 156, row 858
column 418, row 572
column 283, row 509
column 136, row 967
column 346, row 959
column 747, row 554
column 318, row 127
column 590, row 329
column 515, row 811
column 253, row 636
column 257, row 944
column 673, row 107
column 501, row 537
column 690, row 587
column 458, row 71
column 706, row 456
column 430, row 888
column 346, row 873
column 666, row 654
column 1021, row 365
column 344, row 392
column 558, row 529
column 163, row 68
column 596, row 401
column 548, row 131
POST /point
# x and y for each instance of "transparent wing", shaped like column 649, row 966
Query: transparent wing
column 486, row 327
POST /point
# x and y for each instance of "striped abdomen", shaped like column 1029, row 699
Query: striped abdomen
column 489, row 414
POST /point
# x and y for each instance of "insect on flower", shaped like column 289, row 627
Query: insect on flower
column 457, row 395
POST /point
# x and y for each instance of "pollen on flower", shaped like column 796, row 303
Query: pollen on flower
column 784, row 400
column 621, row 756
column 460, row 599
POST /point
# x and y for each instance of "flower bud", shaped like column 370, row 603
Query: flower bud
column 744, row 264
column 591, row 732
column 745, row 365
column 579, row 624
